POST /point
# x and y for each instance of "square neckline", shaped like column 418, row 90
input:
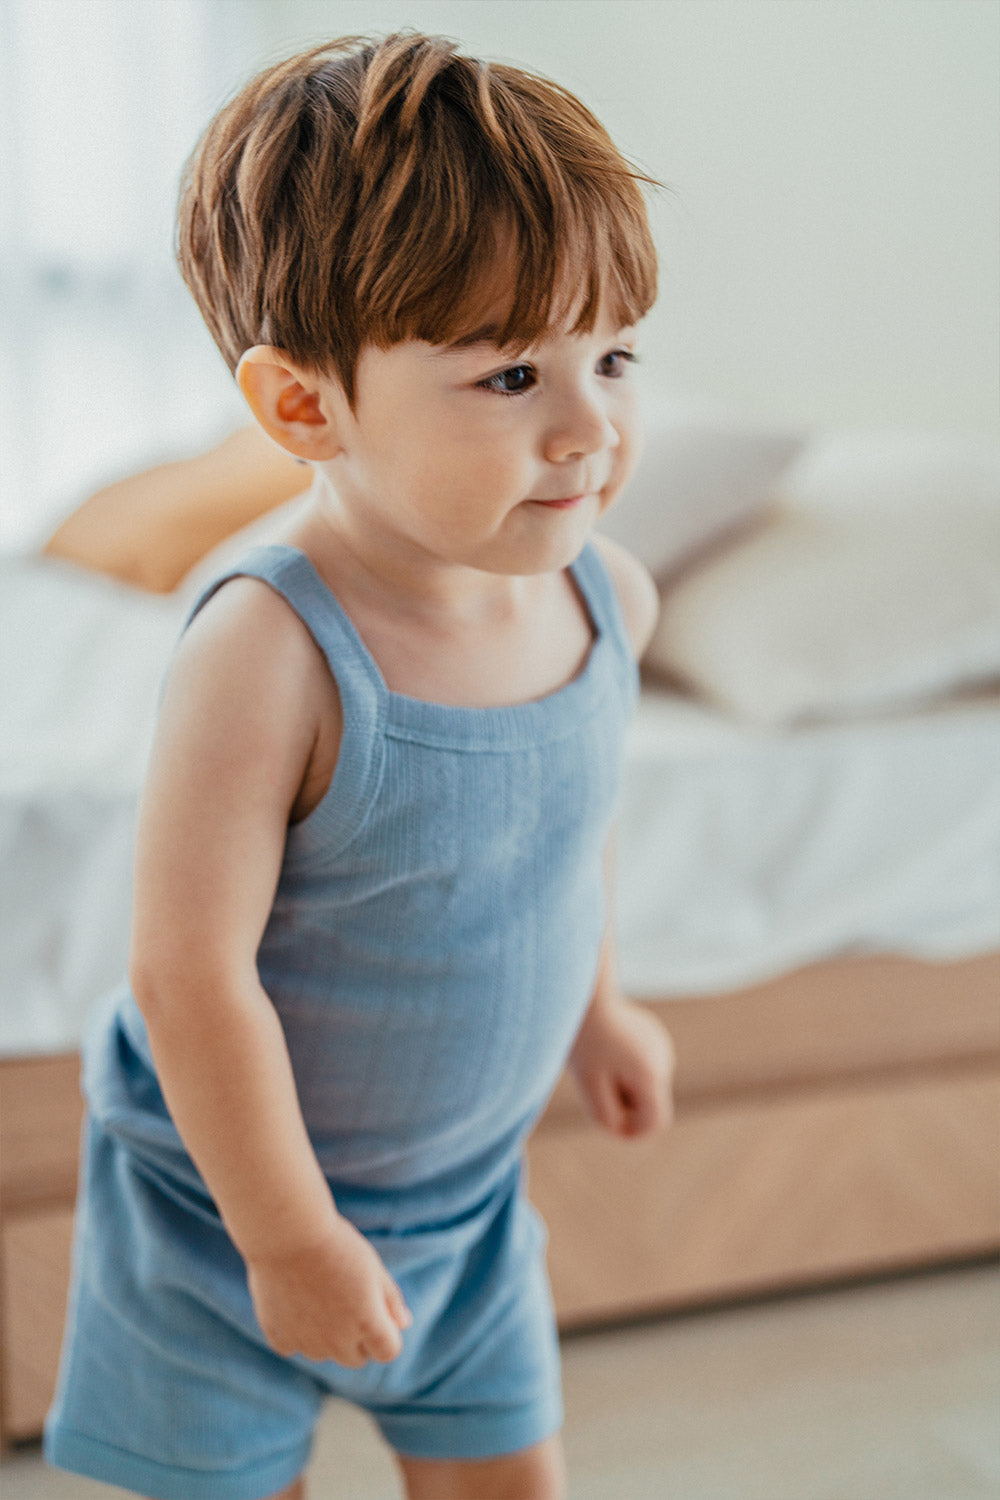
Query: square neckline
column 404, row 708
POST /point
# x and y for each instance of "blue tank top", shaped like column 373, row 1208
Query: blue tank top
column 436, row 928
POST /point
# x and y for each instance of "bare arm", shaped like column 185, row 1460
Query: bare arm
column 623, row 1059
column 637, row 595
column 238, row 726
column 150, row 528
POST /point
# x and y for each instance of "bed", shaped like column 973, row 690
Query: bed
column 809, row 862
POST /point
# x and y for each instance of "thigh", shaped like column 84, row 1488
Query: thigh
column 536, row 1473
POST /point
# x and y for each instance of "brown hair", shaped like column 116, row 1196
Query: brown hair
column 369, row 192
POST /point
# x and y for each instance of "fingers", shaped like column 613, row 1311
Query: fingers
column 648, row 1112
column 384, row 1314
column 383, row 1347
column 651, row 1104
column 647, row 1096
column 383, row 1340
column 396, row 1303
column 382, row 1344
column 637, row 1112
column 610, row 1108
column 374, row 1334
column 630, row 1110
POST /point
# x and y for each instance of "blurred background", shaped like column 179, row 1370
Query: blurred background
column 828, row 228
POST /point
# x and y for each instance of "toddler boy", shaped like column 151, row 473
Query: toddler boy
column 370, row 922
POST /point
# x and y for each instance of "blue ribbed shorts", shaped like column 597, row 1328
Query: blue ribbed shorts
column 167, row 1387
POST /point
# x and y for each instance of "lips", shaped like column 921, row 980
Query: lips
column 565, row 502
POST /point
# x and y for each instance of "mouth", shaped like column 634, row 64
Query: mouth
column 565, row 502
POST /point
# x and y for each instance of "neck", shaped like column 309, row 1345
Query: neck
column 381, row 568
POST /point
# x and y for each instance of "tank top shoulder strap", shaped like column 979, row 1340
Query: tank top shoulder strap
column 601, row 598
column 362, row 690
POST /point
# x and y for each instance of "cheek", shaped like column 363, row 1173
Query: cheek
column 471, row 461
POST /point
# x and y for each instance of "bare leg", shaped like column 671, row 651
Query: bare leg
column 537, row 1473
column 296, row 1491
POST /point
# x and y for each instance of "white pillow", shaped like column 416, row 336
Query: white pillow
column 847, row 602
column 893, row 467
column 705, row 471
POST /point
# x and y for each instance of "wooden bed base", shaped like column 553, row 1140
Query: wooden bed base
column 842, row 1121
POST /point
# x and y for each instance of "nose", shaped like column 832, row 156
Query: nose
column 578, row 427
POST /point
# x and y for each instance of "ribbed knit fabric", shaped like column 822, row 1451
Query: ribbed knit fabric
column 436, row 928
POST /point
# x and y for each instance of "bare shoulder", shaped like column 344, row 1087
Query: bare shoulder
column 249, row 684
column 247, row 638
column 232, row 763
column 636, row 590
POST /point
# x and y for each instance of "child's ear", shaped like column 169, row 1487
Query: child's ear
column 289, row 402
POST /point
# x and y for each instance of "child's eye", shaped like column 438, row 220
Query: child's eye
column 512, row 382
column 616, row 362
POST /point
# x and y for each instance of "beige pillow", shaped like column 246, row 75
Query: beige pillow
column 829, row 612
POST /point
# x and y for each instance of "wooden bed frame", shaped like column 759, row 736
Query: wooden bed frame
column 839, row 1122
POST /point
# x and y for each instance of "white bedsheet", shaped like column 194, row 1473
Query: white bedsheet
column 745, row 852
column 740, row 852
column 81, row 663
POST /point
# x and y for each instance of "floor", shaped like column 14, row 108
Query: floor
column 886, row 1391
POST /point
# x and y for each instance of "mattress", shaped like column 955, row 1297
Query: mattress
column 745, row 852
column 741, row 852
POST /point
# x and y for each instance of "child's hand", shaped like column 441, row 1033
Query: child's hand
column 623, row 1062
column 334, row 1300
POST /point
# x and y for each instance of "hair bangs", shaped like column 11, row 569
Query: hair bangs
column 525, row 274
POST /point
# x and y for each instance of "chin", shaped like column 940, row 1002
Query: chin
column 552, row 556
column 538, row 544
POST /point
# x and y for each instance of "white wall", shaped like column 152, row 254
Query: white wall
column 830, row 243
column 829, row 240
